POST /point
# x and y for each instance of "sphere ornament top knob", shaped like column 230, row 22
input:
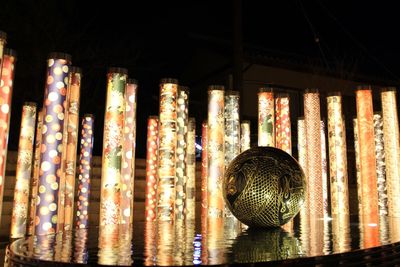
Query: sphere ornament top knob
column 264, row 187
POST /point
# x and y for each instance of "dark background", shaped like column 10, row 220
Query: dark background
column 157, row 39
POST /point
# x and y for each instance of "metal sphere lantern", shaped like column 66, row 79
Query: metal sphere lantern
column 264, row 187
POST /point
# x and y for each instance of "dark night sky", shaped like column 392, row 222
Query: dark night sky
column 154, row 39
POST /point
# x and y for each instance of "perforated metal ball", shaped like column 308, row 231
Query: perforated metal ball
column 264, row 187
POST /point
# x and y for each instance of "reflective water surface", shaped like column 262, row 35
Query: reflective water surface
column 217, row 242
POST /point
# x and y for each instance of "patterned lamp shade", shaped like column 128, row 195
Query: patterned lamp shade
column 216, row 151
column 283, row 132
column 392, row 149
column 266, row 117
column 245, row 141
column 85, row 172
column 112, row 149
column 167, row 149
column 70, row 144
column 24, row 168
column 52, row 138
column 151, row 168
column 337, row 156
column 191, row 172
column 6, row 87
column 128, row 153
column 181, row 152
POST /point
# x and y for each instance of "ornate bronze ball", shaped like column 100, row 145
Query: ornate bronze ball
column 264, row 187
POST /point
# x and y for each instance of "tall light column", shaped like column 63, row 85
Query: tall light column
column 128, row 153
column 266, row 117
column 52, row 138
column 110, row 193
column 245, row 141
column 380, row 164
column 216, row 151
column 337, row 156
column 72, row 125
column 232, row 131
column 85, row 172
column 35, row 175
column 312, row 119
column 151, row 168
column 23, row 173
column 181, row 152
column 367, row 159
column 283, row 132
column 167, row 150
column 392, row 149
column 7, row 64
column 191, row 173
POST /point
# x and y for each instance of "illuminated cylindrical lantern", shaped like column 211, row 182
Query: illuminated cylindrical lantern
column 71, row 130
column 266, row 117
column 51, row 147
column 337, row 156
column 165, row 243
column 151, row 168
column 128, row 153
column 312, row 120
column 181, row 151
column 367, row 159
column 3, row 41
column 85, row 172
column 341, row 239
column 302, row 159
column 380, row 164
column 232, row 126
column 358, row 171
column 35, row 175
column 167, row 150
column 191, row 172
column 232, row 131
column 23, row 173
column 324, row 170
column 245, row 141
column 108, row 245
column 112, row 148
column 216, row 151
column 204, row 191
column 283, row 133
column 6, row 88
column 204, row 170
column 392, row 149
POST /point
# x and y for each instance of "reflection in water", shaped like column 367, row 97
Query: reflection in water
column 180, row 244
column 259, row 245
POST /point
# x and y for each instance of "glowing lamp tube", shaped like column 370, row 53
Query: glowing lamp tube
column 167, row 150
column 128, row 153
column 52, row 138
column 216, row 151
column 283, row 133
column 35, row 175
column 337, row 157
column 85, row 172
column 7, row 63
column 232, row 131
column 266, row 117
column 151, row 168
column 245, row 141
column 23, row 172
column 112, row 149
column 181, row 152
column 312, row 121
column 191, row 173
column 392, row 149
column 71, row 144
column 380, row 164
column 324, row 170
column 358, row 171
column 367, row 159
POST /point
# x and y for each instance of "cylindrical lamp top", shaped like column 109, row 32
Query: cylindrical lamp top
column 60, row 55
column 216, row 87
column 169, row 80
